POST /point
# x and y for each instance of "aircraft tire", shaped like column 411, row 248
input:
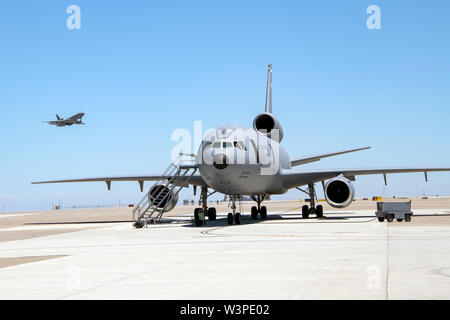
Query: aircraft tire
column 319, row 211
column 390, row 217
column 263, row 212
column 199, row 223
column 381, row 219
column 407, row 218
column 212, row 215
column 254, row 213
column 305, row 212
column 196, row 210
column 237, row 218
column 230, row 218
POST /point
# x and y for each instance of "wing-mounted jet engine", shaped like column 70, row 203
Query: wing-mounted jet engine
column 160, row 195
column 339, row 192
column 266, row 123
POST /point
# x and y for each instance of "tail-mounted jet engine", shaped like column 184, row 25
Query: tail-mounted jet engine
column 339, row 192
column 265, row 123
column 160, row 195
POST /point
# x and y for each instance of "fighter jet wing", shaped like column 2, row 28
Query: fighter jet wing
column 296, row 179
column 313, row 158
column 194, row 180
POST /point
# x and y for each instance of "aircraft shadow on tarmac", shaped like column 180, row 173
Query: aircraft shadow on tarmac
column 222, row 221
column 343, row 216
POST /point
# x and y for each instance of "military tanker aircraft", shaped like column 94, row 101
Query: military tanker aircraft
column 239, row 161
column 61, row 122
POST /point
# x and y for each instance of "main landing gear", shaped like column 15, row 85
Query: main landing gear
column 204, row 211
column 261, row 210
column 234, row 216
column 312, row 209
column 200, row 214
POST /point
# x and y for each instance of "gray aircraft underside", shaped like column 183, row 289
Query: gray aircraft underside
column 240, row 161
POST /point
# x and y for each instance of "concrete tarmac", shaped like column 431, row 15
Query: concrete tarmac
column 96, row 254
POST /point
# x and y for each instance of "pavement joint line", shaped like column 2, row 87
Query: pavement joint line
column 129, row 276
column 387, row 262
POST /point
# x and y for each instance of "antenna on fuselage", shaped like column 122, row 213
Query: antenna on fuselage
column 269, row 90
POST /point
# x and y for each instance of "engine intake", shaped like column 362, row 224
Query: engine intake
column 339, row 192
column 265, row 123
column 160, row 195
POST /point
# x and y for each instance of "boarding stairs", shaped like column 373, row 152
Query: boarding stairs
column 153, row 205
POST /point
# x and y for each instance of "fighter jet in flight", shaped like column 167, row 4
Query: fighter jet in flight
column 61, row 122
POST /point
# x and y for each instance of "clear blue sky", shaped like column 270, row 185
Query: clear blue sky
column 141, row 69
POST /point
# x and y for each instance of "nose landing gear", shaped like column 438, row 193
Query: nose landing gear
column 233, row 216
column 200, row 213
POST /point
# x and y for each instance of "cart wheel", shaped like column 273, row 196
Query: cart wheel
column 138, row 224
column 381, row 219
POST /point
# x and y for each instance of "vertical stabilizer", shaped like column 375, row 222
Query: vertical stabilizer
column 269, row 90
column 58, row 117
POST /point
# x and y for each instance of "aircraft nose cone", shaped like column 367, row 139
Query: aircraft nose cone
column 220, row 161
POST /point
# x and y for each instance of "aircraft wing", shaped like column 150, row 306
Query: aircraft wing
column 313, row 158
column 55, row 122
column 194, row 180
column 296, row 179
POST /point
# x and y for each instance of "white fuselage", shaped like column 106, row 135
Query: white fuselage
column 239, row 161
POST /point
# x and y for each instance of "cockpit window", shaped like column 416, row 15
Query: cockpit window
column 227, row 144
